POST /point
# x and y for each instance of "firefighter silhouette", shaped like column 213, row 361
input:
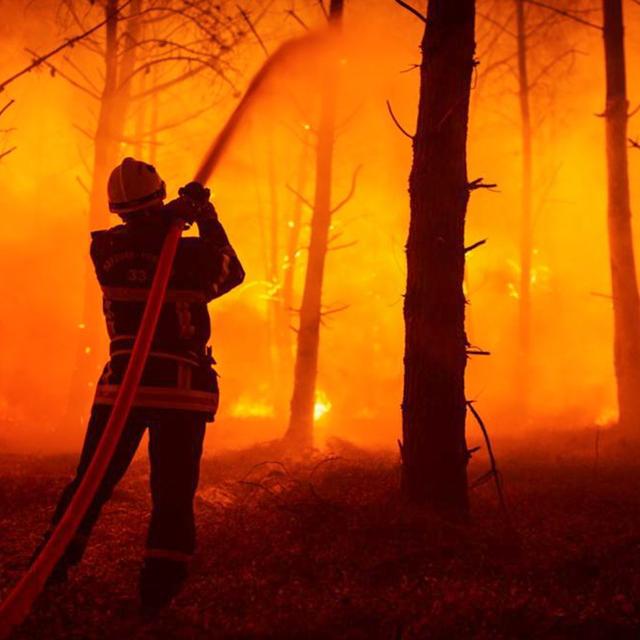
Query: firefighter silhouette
column 178, row 392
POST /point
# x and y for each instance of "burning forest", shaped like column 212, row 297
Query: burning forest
column 361, row 278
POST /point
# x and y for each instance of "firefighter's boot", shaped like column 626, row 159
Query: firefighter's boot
column 161, row 580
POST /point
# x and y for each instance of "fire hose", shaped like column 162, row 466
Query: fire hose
column 16, row 606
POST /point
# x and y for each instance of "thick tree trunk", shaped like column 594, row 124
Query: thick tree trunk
column 300, row 432
column 526, row 230
column 626, row 305
column 434, row 450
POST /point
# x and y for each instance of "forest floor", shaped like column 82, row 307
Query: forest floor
column 327, row 549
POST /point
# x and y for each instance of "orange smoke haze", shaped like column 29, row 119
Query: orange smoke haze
column 44, row 234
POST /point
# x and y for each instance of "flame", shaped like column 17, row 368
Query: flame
column 247, row 407
column 538, row 277
column 607, row 417
column 322, row 406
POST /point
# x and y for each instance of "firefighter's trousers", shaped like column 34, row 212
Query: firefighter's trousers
column 175, row 448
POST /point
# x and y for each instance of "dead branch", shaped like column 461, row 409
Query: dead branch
column 329, row 312
column 79, row 70
column 566, row 14
column 265, row 463
column 494, row 467
column 67, row 44
column 4, row 154
column 83, row 186
column 411, row 9
column 324, row 9
column 502, row 27
column 297, row 18
column 6, row 106
column 543, row 72
column 83, row 131
column 253, row 30
column 396, row 122
column 634, row 143
column 300, row 196
column 477, row 352
column 350, row 194
column 175, row 123
column 55, row 71
column 346, row 245
column 169, row 83
column 478, row 184
column 475, row 245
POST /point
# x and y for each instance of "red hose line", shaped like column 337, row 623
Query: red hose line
column 18, row 603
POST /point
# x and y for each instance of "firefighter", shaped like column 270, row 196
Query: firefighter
column 178, row 393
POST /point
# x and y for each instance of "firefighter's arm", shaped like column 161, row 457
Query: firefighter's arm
column 227, row 272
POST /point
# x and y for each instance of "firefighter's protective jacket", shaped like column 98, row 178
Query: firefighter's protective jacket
column 179, row 373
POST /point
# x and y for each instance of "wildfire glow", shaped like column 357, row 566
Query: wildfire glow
column 608, row 416
column 322, row 406
column 247, row 407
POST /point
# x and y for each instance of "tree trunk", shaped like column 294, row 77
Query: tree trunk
column 295, row 227
column 626, row 305
column 114, row 104
column 300, row 432
column 526, row 231
column 434, row 450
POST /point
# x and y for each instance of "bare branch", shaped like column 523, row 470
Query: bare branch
column 477, row 352
column 298, row 19
column 494, row 467
column 346, row 245
column 329, row 312
column 300, row 196
column 350, row 194
column 4, row 154
column 550, row 65
column 246, row 18
column 65, row 45
column 83, row 186
column 79, row 70
column 478, row 184
column 169, row 83
column 6, row 106
column 395, row 121
column 324, row 9
column 411, row 9
column 503, row 28
column 566, row 14
column 56, row 71
column 475, row 245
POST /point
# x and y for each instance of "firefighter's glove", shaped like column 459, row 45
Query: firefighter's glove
column 200, row 196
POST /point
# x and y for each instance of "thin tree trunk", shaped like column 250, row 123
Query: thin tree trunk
column 626, row 304
column 155, row 116
column 526, row 230
column 434, row 450
column 293, row 238
column 114, row 105
column 277, row 314
column 300, row 432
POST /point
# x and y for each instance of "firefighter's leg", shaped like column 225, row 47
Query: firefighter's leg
column 122, row 457
column 175, row 448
